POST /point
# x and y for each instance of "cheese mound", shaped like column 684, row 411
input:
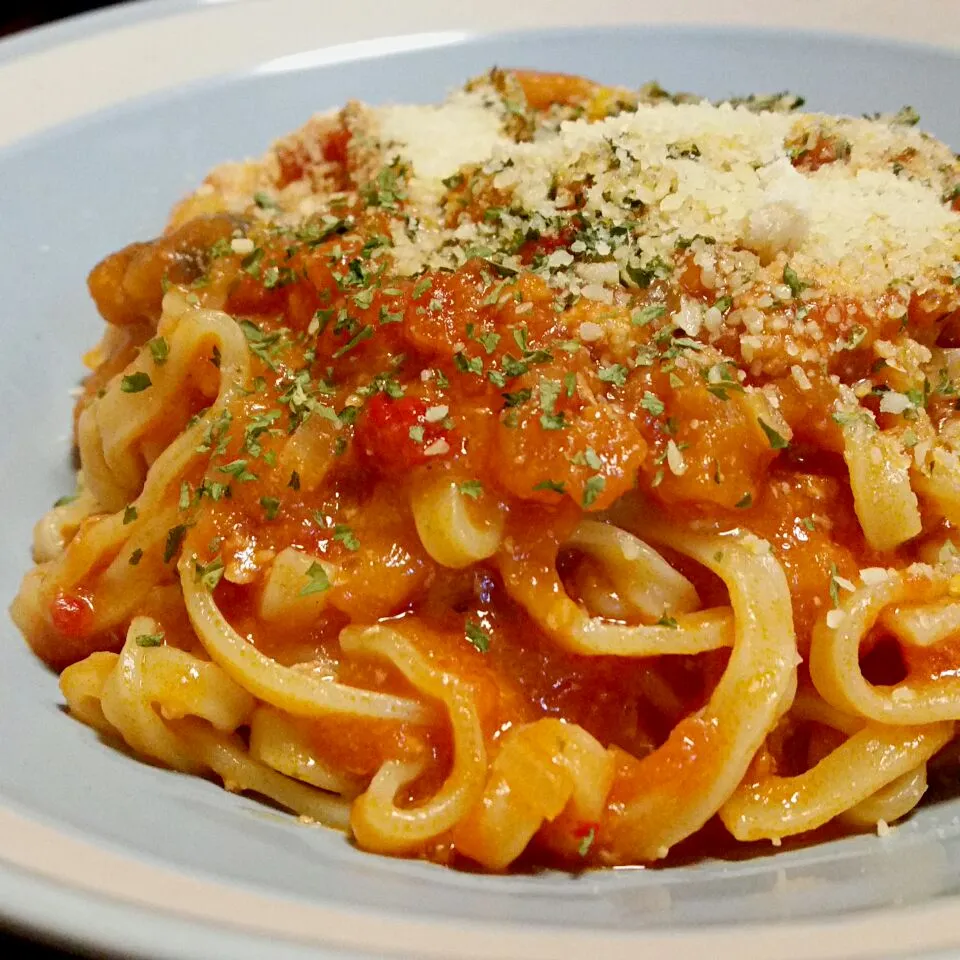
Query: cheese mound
column 770, row 204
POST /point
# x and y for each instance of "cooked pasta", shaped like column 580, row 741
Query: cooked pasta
column 541, row 476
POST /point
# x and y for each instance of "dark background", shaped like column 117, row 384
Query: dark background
column 20, row 16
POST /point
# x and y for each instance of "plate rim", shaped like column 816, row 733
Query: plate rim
column 188, row 53
column 79, row 913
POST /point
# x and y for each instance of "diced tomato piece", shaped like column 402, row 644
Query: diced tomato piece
column 538, row 463
column 248, row 295
column 302, row 303
column 335, row 146
column 293, row 160
column 822, row 151
column 72, row 614
column 395, row 435
column 548, row 243
column 441, row 309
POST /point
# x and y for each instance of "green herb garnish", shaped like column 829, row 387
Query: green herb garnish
column 135, row 382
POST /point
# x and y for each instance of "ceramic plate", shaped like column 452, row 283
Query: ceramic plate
column 100, row 850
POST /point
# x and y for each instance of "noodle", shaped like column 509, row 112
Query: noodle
column 290, row 690
column 378, row 823
column 514, row 479
column 678, row 787
column 834, row 654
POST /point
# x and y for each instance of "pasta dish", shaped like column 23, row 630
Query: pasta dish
column 537, row 478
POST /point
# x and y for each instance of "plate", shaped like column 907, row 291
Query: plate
column 116, row 855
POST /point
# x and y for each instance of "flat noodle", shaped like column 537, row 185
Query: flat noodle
column 938, row 479
column 108, row 543
column 876, row 774
column 641, row 577
column 82, row 685
column 110, row 430
column 448, row 531
column 924, row 625
column 182, row 711
column 676, row 789
column 278, row 741
column 545, row 600
column 880, row 482
column 835, row 654
column 474, row 478
column 226, row 757
column 889, row 804
column 296, row 692
column 378, row 823
column 848, row 781
column 129, row 707
column 542, row 771
column 55, row 529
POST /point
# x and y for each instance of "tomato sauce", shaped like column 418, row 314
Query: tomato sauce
column 364, row 383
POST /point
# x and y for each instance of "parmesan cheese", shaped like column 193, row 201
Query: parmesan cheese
column 438, row 140
column 871, row 576
column 893, row 402
column 835, row 618
column 436, row 414
column 783, row 253
column 437, row 448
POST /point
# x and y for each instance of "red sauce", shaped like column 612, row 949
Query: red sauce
column 394, row 433
column 72, row 614
column 480, row 375
column 584, row 444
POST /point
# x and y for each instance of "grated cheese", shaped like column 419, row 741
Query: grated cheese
column 835, row 618
column 590, row 331
column 872, row 576
column 675, row 459
column 437, row 448
column 436, row 414
column 438, row 140
column 792, row 252
column 893, row 402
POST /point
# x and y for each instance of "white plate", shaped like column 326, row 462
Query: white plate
column 100, row 849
